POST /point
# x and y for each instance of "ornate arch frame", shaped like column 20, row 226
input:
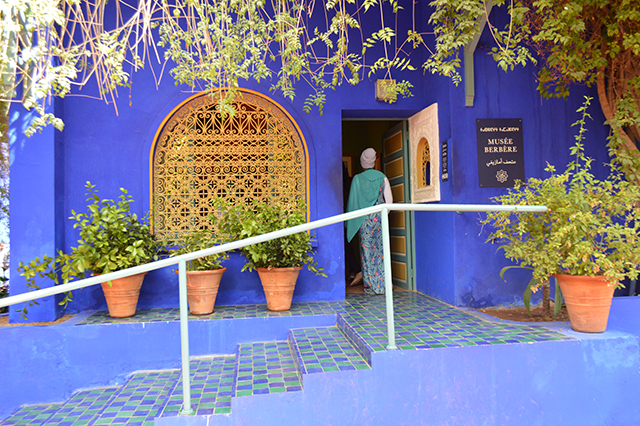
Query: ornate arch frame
column 184, row 109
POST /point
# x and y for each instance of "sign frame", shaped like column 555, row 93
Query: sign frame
column 500, row 152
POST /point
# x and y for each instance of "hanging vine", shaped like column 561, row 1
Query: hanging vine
column 49, row 46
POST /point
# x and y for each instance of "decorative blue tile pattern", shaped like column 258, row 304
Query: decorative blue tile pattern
column 140, row 400
column 32, row 415
column 211, row 387
column 220, row 312
column 82, row 408
column 264, row 368
column 324, row 349
column 422, row 323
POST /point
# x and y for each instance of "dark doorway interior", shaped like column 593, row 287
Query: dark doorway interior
column 358, row 135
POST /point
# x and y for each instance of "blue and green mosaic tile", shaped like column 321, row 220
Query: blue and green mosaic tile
column 211, row 387
column 32, row 415
column 265, row 368
column 422, row 323
column 220, row 312
column 82, row 408
column 324, row 349
column 140, row 400
column 425, row 323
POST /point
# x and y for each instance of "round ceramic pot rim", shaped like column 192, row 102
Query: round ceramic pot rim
column 209, row 271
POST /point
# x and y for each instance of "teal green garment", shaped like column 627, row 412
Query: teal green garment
column 365, row 188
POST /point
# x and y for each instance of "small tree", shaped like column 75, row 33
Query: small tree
column 590, row 228
column 574, row 42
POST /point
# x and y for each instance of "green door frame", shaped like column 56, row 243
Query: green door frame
column 408, row 232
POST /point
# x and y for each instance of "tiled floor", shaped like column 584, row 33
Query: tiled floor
column 140, row 400
column 422, row 323
column 425, row 323
column 221, row 312
column 82, row 407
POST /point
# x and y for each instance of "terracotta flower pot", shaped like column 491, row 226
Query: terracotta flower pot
column 122, row 295
column 588, row 301
column 202, row 290
column 278, row 284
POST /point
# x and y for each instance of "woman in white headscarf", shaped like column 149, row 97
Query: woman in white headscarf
column 369, row 188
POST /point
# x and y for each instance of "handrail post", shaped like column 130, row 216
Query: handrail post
column 184, row 339
column 388, row 278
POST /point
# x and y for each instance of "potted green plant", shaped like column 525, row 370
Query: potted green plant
column 203, row 274
column 111, row 238
column 587, row 239
column 278, row 261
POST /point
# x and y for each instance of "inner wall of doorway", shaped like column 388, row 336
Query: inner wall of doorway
column 358, row 135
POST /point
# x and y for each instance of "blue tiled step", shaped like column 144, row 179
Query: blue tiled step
column 256, row 369
column 324, row 350
column 140, row 400
column 212, row 380
column 145, row 396
column 82, row 408
column 32, row 414
column 265, row 368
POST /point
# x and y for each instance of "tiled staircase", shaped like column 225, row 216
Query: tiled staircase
column 256, row 369
column 327, row 363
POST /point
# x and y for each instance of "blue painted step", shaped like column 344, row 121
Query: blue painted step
column 324, row 350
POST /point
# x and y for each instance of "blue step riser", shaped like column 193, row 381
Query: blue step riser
column 354, row 338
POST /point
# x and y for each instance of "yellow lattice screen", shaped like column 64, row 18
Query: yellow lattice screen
column 200, row 154
column 424, row 166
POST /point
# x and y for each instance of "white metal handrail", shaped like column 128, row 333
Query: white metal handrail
column 182, row 260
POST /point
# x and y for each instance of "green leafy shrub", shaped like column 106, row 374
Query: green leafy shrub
column 199, row 240
column 111, row 238
column 245, row 221
column 590, row 228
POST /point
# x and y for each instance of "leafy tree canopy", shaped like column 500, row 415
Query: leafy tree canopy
column 592, row 42
column 48, row 46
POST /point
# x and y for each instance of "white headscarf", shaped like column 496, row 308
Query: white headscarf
column 368, row 158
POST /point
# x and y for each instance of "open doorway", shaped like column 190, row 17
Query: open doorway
column 384, row 136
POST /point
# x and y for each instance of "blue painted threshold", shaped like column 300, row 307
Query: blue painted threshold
column 323, row 364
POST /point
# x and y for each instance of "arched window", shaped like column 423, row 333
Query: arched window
column 200, row 153
column 424, row 164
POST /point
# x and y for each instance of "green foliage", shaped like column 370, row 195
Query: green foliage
column 210, row 44
column 592, row 42
column 111, row 238
column 201, row 239
column 591, row 226
column 532, row 286
column 455, row 23
column 205, row 44
column 46, row 55
column 391, row 89
column 245, row 221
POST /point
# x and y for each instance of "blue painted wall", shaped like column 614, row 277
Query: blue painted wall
column 453, row 262
column 35, row 207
